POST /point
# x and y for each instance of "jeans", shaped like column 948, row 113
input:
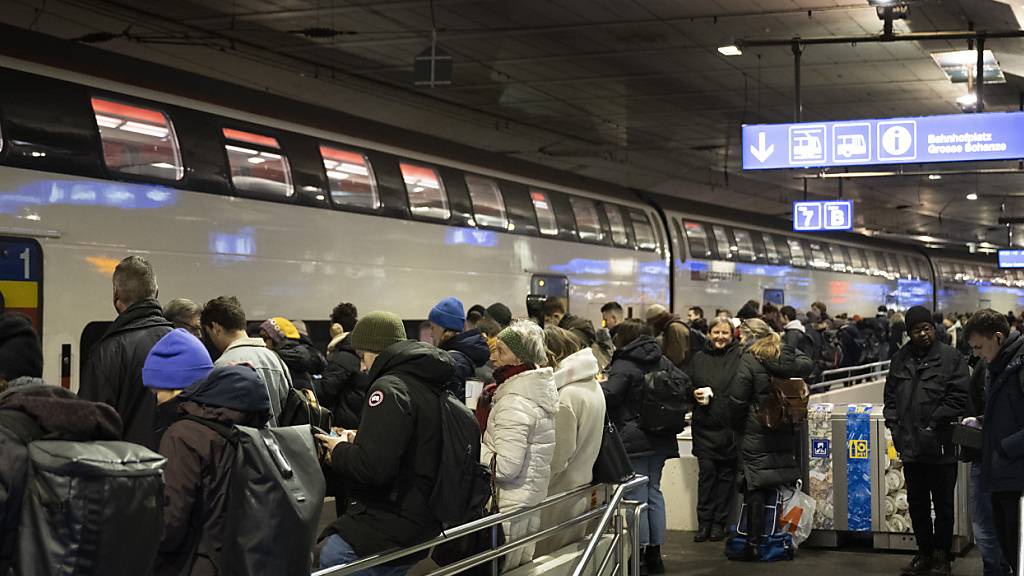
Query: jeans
column 982, row 523
column 337, row 551
column 652, row 520
column 931, row 485
column 716, row 486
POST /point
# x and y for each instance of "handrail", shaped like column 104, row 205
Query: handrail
column 480, row 524
column 872, row 372
column 611, row 510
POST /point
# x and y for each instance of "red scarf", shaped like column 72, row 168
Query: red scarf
column 483, row 405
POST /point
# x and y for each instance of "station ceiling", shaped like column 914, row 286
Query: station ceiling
column 633, row 92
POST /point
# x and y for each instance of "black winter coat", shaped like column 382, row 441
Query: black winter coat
column 304, row 362
column 391, row 466
column 57, row 415
column 923, row 397
column 622, row 393
column 113, row 373
column 767, row 457
column 713, row 438
column 343, row 386
column 469, row 352
column 1003, row 425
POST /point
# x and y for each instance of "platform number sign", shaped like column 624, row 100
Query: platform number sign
column 822, row 216
column 21, row 275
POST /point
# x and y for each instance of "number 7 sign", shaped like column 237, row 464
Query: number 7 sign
column 807, row 216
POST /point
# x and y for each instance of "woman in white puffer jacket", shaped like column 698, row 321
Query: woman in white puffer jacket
column 520, row 434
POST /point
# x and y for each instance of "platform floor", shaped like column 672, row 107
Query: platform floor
column 684, row 557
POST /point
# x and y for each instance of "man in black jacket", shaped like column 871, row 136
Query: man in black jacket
column 1002, row 463
column 926, row 390
column 796, row 336
column 391, row 463
column 113, row 373
column 343, row 386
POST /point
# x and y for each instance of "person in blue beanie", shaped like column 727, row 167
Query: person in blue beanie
column 175, row 363
column 467, row 347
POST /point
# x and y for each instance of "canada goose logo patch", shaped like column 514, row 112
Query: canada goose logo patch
column 376, row 398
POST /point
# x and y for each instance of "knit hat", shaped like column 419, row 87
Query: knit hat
column 747, row 312
column 237, row 387
column 654, row 311
column 448, row 314
column 917, row 315
column 500, row 314
column 376, row 331
column 176, row 361
column 515, row 343
column 20, row 351
column 278, row 328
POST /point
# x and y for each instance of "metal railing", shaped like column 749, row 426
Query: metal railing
column 605, row 511
column 850, row 375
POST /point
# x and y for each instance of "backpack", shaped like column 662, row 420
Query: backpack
column 88, row 507
column 275, row 475
column 463, row 484
column 663, row 401
column 830, row 355
column 301, row 407
column 786, row 404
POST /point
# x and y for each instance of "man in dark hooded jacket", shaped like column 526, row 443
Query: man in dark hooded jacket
column 343, row 386
column 391, row 462
column 926, row 390
column 468, row 348
column 113, row 373
column 198, row 473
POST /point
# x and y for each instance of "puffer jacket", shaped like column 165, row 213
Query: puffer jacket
column 714, row 368
column 344, row 385
column 521, row 432
column 470, row 353
column 923, row 397
column 579, row 423
column 1003, row 425
column 767, row 457
column 623, row 394
column 304, row 363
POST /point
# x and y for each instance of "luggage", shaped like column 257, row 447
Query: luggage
column 612, row 465
column 90, row 508
column 301, row 407
column 275, row 477
column 663, row 402
column 776, row 545
column 786, row 405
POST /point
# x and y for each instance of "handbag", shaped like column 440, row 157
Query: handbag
column 612, row 465
column 478, row 541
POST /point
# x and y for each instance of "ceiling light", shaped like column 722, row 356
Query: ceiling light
column 972, row 196
column 969, row 99
column 961, row 65
column 935, row 176
column 256, row 160
column 145, row 129
column 730, row 50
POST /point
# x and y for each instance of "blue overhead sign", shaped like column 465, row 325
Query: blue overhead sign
column 1011, row 258
column 822, row 216
column 925, row 139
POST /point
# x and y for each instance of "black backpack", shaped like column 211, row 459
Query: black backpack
column 275, row 475
column 830, row 355
column 88, row 507
column 663, row 401
column 463, row 484
column 301, row 407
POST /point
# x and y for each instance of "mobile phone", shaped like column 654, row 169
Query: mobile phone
column 318, row 430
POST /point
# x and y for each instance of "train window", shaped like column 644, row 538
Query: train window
column 796, row 251
column 945, row 271
column 138, row 141
column 642, row 230
column 771, row 249
column 488, row 204
column 760, row 252
column 617, row 223
column 588, row 223
column 908, row 270
column 425, row 190
column 860, row 260
column 545, row 213
column 744, row 245
column 350, row 178
column 782, row 245
column 894, row 264
column 926, row 270
column 697, row 238
column 257, row 164
column 820, row 258
column 725, row 250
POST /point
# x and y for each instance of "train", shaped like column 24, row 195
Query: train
column 292, row 210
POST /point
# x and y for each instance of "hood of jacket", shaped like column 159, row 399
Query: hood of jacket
column 795, row 325
column 577, row 367
column 143, row 314
column 471, row 343
column 417, row 361
column 786, row 365
column 337, row 340
column 61, row 414
column 644, row 350
column 297, row 356
column 580, row 327
column 237, row 388
column 537, row 386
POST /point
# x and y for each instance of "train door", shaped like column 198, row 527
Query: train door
column 21, row 283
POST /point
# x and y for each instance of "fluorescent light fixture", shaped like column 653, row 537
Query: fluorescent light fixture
column 960, row 65
column 241, row 150
column 163, row 165
column 255, row 160
column 730, row 50
column 108, row 121
column 972, row 195
column 356, row 169
column 935, row 176
column 145, row 129
column 334, row 174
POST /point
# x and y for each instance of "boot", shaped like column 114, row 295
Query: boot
column 703, row 532
column 750, row 552
column 717, row 533
column 652, row 560
column 941, row 564
column 921, row 565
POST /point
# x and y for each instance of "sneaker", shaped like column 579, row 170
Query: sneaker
column 919, row 566
column 702, row 533
column 653, row 561
column 717, row 533
column 941, row 564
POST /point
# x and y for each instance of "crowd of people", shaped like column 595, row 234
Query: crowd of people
column 170, row 378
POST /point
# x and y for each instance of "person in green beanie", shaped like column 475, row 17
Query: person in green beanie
column 398, row 443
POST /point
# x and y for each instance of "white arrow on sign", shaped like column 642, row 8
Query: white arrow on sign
column 762, row 153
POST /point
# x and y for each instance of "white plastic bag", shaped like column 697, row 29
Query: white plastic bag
column 797, row 512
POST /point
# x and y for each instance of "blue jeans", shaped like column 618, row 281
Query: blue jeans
column 652, row 520
column 985, row 536
column 337, row 551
